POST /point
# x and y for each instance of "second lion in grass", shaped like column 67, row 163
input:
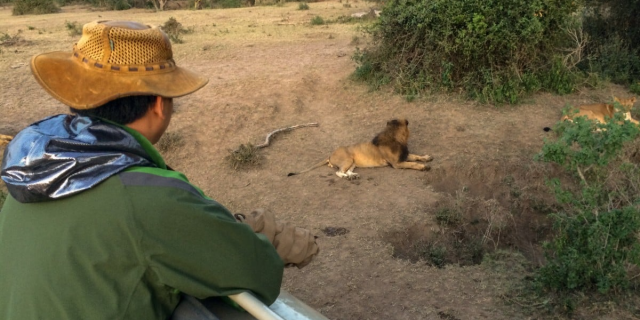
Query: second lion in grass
column 388, row 148
column 601, row 112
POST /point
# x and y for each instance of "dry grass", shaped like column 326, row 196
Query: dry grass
column 234, row 27
column 169, row 142
column 486, row 206
column 7, row 40
column 245, row 156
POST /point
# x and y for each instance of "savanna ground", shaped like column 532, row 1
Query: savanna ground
column 270, row 68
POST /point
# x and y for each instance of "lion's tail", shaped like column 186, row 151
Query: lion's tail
column 323, row 162
column 4, row 139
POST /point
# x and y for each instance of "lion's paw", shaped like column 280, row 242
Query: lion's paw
column 341, row 174
column 352, row 176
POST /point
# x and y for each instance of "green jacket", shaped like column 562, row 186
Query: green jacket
column 125, row 247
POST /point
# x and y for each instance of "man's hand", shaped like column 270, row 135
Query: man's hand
column 296, row 246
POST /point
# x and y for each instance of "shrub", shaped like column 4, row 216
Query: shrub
column 597, row 229
column 615, row 60
column 495, row 50
column 367, row 70
column 303, row 6
column 635, row 87
column 229, row 4
column 317, row 20
column 119, row 5
column 448, row 217
column 614, row 41
column 113, row 4
column 11, row 40
column 74, row 28
column 21, row 7
column 174, row 30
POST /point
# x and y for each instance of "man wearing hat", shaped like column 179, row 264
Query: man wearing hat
column 96, row 225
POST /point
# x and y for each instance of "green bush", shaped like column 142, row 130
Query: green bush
column 73, row 27
column 613, row 49
column 119, row 5
column 112, row 4
column 597, row 230
column 615, row 60
column 608, row 18
column 229, row 4
column 21, row 7
column 495, row 50
column 635, row 87
column 317, row 20
column 173, row 29
column 303, row 6
column 367, row 70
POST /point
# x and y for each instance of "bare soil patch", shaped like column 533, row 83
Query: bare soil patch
column 487, row 205
column 270, row 68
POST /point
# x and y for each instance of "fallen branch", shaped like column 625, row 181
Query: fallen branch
column 248, row 155
column 582, row 176
column 266, row 141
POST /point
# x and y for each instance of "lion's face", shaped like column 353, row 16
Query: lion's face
column 399, row 129
column 626, row 104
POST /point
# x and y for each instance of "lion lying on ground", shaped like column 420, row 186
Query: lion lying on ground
column 601, row 111
column 389, row 147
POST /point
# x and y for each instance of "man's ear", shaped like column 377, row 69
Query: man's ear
column 157, row 107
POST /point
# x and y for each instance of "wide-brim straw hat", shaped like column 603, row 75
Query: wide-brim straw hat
column 114, row 59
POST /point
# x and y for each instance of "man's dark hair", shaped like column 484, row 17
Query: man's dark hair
column 122, row 110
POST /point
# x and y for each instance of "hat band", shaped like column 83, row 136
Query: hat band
column 164, row 67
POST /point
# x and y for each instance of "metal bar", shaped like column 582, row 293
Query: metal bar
column 254, row 306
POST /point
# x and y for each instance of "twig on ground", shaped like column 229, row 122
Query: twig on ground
column 266, row 141
column 247, row 154
column 582, row 176
column 532, row 305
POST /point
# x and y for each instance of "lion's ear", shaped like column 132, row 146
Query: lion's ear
column 406, row 122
